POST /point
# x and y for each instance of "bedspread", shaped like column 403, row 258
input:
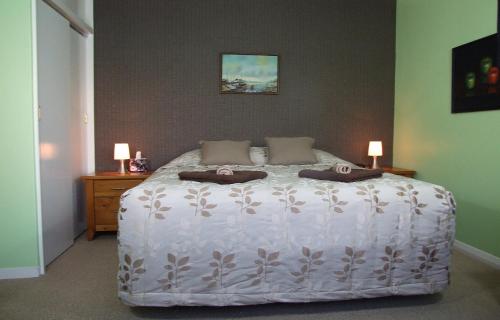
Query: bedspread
column 281, row 239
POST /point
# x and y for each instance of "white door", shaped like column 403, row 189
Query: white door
column 59, row 128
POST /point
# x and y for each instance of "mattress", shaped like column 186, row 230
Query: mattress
column 281, row 239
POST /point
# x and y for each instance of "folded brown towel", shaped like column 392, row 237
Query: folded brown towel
column 212, row 176
column 355, row 175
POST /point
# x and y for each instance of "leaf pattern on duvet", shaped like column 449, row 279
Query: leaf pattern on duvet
column 130, row 271
column 410, row 195
column 444, row 224
column 309, row 262
column 175, row 268
column 372, row 196
column 426, row 259
column 122, row 209
column 447, row 199
column 198, row 199
column 390, row 259
column 328, row 194
column 244, row 199
column 352, row 259
column 152, row 199
column 287, row 196
column 264, row 264
column 222, row 266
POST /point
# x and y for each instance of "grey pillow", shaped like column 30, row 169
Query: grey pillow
column 291, row 150
column 225, row 152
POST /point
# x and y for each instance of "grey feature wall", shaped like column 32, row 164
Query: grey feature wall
column 157, row 74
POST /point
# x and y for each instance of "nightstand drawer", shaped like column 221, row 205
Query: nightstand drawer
column 103, row 191
column 106, row 188
column 106, row 210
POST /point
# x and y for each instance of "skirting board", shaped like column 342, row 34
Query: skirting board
column 478, row 254
column 16, row 273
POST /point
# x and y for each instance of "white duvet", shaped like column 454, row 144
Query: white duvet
column 281, row 239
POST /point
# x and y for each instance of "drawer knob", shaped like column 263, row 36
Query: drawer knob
column 117, row 188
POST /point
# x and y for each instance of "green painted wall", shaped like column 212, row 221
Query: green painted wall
column 18, row 221
column 458, row 151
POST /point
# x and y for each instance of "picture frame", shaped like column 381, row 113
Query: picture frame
column 249, row 73
column 476, row 76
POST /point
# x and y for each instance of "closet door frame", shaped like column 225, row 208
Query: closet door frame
column 88, row 117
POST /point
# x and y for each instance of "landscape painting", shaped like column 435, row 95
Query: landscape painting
column 475, row 78
column 249, row 73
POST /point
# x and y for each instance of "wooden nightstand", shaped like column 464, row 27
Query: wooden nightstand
column 400, row 171
column 102, row 194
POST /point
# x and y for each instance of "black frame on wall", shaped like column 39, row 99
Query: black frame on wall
column 476, row 74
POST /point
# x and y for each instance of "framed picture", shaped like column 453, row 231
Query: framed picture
column 475, row 77
column 249, row 73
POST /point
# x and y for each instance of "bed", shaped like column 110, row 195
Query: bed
column 282, row 238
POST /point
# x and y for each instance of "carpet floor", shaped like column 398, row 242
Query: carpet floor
column 81, row 284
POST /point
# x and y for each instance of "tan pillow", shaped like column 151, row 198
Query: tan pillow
column 225, row 152
column 291, row 150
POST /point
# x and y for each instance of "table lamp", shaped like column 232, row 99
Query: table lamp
column 122, row 153
column 375, row 150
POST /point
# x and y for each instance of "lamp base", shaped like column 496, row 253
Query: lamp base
column 375, row 163
column 122, row 167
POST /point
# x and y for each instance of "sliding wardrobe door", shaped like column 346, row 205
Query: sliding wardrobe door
column 59, row 130
column 78, row 128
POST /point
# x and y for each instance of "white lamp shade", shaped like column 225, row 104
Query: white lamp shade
column 375, row 148
column 122, row 151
